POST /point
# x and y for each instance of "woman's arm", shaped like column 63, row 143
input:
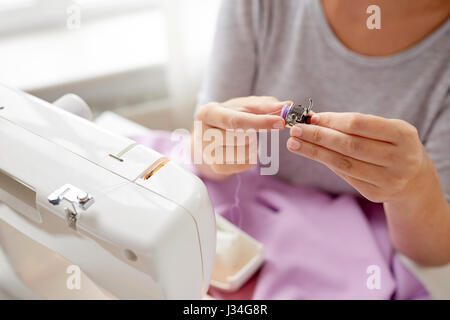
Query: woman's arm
column 424, row 207
column 231, row 73
column 386, row 162
column 419, row 220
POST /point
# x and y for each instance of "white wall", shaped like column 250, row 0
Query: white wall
column 144, row 58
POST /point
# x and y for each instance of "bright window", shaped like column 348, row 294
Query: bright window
column 121, row 52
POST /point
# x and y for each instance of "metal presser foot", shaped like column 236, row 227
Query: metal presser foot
column 296, row 113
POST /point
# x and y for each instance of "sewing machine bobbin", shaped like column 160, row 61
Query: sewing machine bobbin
column 296, row 113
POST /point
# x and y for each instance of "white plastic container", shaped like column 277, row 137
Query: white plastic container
column 238, row 257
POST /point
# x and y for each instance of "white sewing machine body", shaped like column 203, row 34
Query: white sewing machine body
column 140, row 225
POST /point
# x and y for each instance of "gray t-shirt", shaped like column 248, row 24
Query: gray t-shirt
column 286, row 49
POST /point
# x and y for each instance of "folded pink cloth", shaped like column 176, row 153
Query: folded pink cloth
column 318, row 246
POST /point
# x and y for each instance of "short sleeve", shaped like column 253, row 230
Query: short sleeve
column 232, row 67
column 438, row 146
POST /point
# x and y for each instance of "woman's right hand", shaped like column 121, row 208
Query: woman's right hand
column 241, row 117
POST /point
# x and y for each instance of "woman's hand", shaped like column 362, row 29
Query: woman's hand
column 239, row 117
column 386, row 162
column 381, row 158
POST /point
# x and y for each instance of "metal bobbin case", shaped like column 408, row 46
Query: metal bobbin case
column 296, row 113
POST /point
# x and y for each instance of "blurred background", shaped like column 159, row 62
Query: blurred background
column 142, row 59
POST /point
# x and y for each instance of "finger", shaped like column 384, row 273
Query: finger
column 352, row 167
column 221, row 162
column 208, row 135
column 221, row 137
column 240, row 137
column 364, row 125
column 225, row 118
column 219, row 154
column 256, row 104
column 239, row 155
column 266, row 107
column 368, row 150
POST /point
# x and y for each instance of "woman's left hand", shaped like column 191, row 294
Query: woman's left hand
column 381, row 158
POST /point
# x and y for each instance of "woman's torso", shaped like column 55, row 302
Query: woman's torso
column 286, row 49
column 299, row 57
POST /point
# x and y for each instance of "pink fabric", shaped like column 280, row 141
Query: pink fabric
column 317, row 246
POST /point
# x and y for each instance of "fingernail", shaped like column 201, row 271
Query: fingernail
column 293, row 144
column 297, row 131
column 278, row 125
column 315, row 119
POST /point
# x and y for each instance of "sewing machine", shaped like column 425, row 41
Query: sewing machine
column 84, row 202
